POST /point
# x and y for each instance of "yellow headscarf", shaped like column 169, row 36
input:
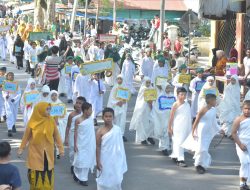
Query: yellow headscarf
column 41, row 124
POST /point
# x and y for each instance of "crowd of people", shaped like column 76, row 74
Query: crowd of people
column 179, row 111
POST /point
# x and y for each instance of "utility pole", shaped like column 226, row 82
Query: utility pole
column 162, row 18
column 189, row 36
column 73, row 16
column 97, row 15
column 85, row 20
column 114, row 13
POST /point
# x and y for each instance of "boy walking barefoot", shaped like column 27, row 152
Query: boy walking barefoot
column 179, row 126
column 110, row 154
column 241, row 136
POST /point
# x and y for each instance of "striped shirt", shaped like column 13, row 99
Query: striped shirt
column 51, row 70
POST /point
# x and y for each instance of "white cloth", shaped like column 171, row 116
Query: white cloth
column 95, row 98
column 62, row 86
column 71, row 139
column 32, row 57
column 182, row 126
column 2, row 103
column 177, row 85
column 11, row 108
column 82, row 87
column 206, row 130
column 244, row 157
column 3, row 47
column 113, row 160
column 147, row 65
column 116, row 71
column 45, row 89
column 92, row 52
column 10, row 49
column 159, row 72
column 79, row 52
column 26, row 50
column 195, row 95
column 120, row 112
column 86, row 144
column 140, row 120
column 246, row 62
column 128, row 72
column 229, row 107
column 160, row 121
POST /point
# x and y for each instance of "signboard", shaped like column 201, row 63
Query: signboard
column 4, row 28
column 232, row 68
column 150, row 95
column 58, row 110
column 31, row 97
column 166, row 103
column 18, row 49
column 68, row 68
column 184, row 78
column 34, row 36
column 107, row 38
column 2, row 80
column 97, row 66
column 10, row 86
column 122, row 94
column 199, row 85
column 161, row 81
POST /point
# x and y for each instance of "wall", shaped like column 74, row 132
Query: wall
column 203, row 45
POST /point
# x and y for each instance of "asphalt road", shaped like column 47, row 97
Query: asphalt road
column 148, row 169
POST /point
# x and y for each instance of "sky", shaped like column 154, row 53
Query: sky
column 192, row 4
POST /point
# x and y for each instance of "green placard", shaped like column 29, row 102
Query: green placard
column 33, row 36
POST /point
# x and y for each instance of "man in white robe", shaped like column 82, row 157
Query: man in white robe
column 241, row 136
column 147, row 64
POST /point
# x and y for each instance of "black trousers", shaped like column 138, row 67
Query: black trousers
column 53, row 84
column 19, row 61
column 28, row 66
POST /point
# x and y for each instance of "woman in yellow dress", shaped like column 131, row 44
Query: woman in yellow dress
column 220, row 68
column 41, row 135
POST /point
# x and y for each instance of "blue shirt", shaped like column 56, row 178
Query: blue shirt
column 9, row 175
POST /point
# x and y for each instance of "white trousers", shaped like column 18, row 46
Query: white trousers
column 81, row 173
column 115, row 187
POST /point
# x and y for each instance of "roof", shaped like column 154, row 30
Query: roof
column 170, row 5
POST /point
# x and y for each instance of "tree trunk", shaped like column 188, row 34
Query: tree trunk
column 38, row 14
column 51, row 11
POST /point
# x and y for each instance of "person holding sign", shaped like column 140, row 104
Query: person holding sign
column 41, row 135
column 28, row 100
column 141, row 116
column 147, row 64
column 208, row 88
column 84, row 145
column 195, row 87
column 11, row 104
column 160, row 115
column 33, row 58
column 60, row 121
column 177, row 82
column 229, row 107
column 160, row 70
column 75, row 70
column 44, row 95
column 179, row 126
column 204, row 129
column 128, row 73
column 97, row 90
column 119, row 104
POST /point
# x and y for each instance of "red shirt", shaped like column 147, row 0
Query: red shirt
column 167, row 43
column 157, row 23
column 177, row 46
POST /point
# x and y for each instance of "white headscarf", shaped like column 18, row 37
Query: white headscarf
column 45, row 89
column 30, row 81
column 58, row 101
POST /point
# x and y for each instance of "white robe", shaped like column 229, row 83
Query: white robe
column 11, row 107
column 62, row 86
column 82, row 87
column 71, row 139
column 177, row 85
column 33, row 57
column 182, row 126
column 3, row 47
column 2, row 103
column 113, row 160
column 159, row 72
column 160, row 121
column 93, row 52
column 244, row 157
column 95, row 98
column 147, row 65
column 229, row 107
column 116, row 71
column 10, row 49
column 141, row 117
column 128, row 72
column 74, row 71
column 195, row 94
column 85, row 158
column 120, row 112
column 206, row 130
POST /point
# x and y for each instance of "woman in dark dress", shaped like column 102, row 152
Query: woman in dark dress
column 18, row 51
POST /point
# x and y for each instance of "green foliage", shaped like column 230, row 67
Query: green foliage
column 205, row 28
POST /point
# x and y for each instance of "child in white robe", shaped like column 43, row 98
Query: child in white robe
column 3, row 47
column 44, row 95
column 229, row 107
column 69, row 134
column 204, row 129
column 128, row 73
column 160, row 69
column 110, row 154
column 141, row 116
column 160, row 115
column 61, row 121
column 82, row 87
column 2, row 107
column 179, row 126
column 11, row 105
column 27, row 109
column 84, row 145
column 241, row 136
column 119, row 106
column 208, row 88
column 10, row 42
column 195, row 87
column 75, row 70
column 68, row 79
column 147, row 64
column 33, row 61
column 97, row 90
